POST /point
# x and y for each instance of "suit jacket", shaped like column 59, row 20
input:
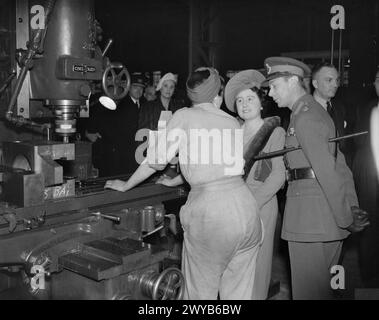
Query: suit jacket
column 340, row 112
column 126, row 127
column 113, row 153
column 343, row 125
column 318, row 209
column 151, row 111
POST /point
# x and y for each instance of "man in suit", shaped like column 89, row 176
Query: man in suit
column 128, row 123
column 112, row 132
column 321, row 208
column 325, row 81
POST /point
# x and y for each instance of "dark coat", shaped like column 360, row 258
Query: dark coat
column 113, row 153
column 344, row 125
column 127, row 125
column 151, row 111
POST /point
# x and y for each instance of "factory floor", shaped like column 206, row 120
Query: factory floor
column 354, row 289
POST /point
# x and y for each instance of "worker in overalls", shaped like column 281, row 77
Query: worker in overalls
column 222, row 228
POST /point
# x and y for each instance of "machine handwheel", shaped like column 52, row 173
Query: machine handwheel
column 169, row 285
column 116, row 84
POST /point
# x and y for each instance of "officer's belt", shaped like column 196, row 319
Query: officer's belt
column 300, row 173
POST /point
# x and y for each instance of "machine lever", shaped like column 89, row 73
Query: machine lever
column 150, row 233
column 7, row 81
column 110, row 41
column 106, row 216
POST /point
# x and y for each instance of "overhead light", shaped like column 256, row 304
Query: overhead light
column 108, row 102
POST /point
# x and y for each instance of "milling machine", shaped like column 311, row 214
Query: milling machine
column 62, row 236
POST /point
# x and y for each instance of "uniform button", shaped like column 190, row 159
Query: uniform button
column 298, row 193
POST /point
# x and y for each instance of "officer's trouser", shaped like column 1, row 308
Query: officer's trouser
column 310, row 268
column 222, row 233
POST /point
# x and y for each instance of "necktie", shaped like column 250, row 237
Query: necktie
column 331, row 112
column 329, row 108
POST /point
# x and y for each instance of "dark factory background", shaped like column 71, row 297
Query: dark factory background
column 178, row 35
column 168, row 35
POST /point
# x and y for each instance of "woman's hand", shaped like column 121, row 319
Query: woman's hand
column 170, row 182
column 165, row 180
column 117, row 185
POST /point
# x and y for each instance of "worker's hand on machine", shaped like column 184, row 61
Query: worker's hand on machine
column 117, row 185
column 165, row 180
column 170, row 182
column 93, row 136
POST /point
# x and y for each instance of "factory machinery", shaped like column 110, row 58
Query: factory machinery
column 62, row 235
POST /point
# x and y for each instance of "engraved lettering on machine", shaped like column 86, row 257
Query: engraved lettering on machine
column 83, row 68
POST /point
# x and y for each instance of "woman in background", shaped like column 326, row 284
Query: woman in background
column 151, row 110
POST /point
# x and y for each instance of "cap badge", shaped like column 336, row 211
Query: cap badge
column 268, row 68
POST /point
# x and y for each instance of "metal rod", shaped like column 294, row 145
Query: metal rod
column 190, row 36
column 340, row 53
column 332, row 49
column 17, row 89
column 151, row 232
column 286, row 150
column 110, row 41
column 348, row 136
column 8, row 81
column 106, row 216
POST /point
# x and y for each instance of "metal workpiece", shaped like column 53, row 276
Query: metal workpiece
column 39, row 157
column 148, row 218
column 32, row 173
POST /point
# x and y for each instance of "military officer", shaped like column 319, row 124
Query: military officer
column 321, row 198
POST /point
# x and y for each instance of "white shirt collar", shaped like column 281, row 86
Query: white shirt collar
column 135, row 100
column 320, row 100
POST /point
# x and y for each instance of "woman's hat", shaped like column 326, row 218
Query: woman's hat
column 167, row 76
column 207, row 90
column 243, row 80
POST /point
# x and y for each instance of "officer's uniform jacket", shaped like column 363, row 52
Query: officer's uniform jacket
column 317, row 210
